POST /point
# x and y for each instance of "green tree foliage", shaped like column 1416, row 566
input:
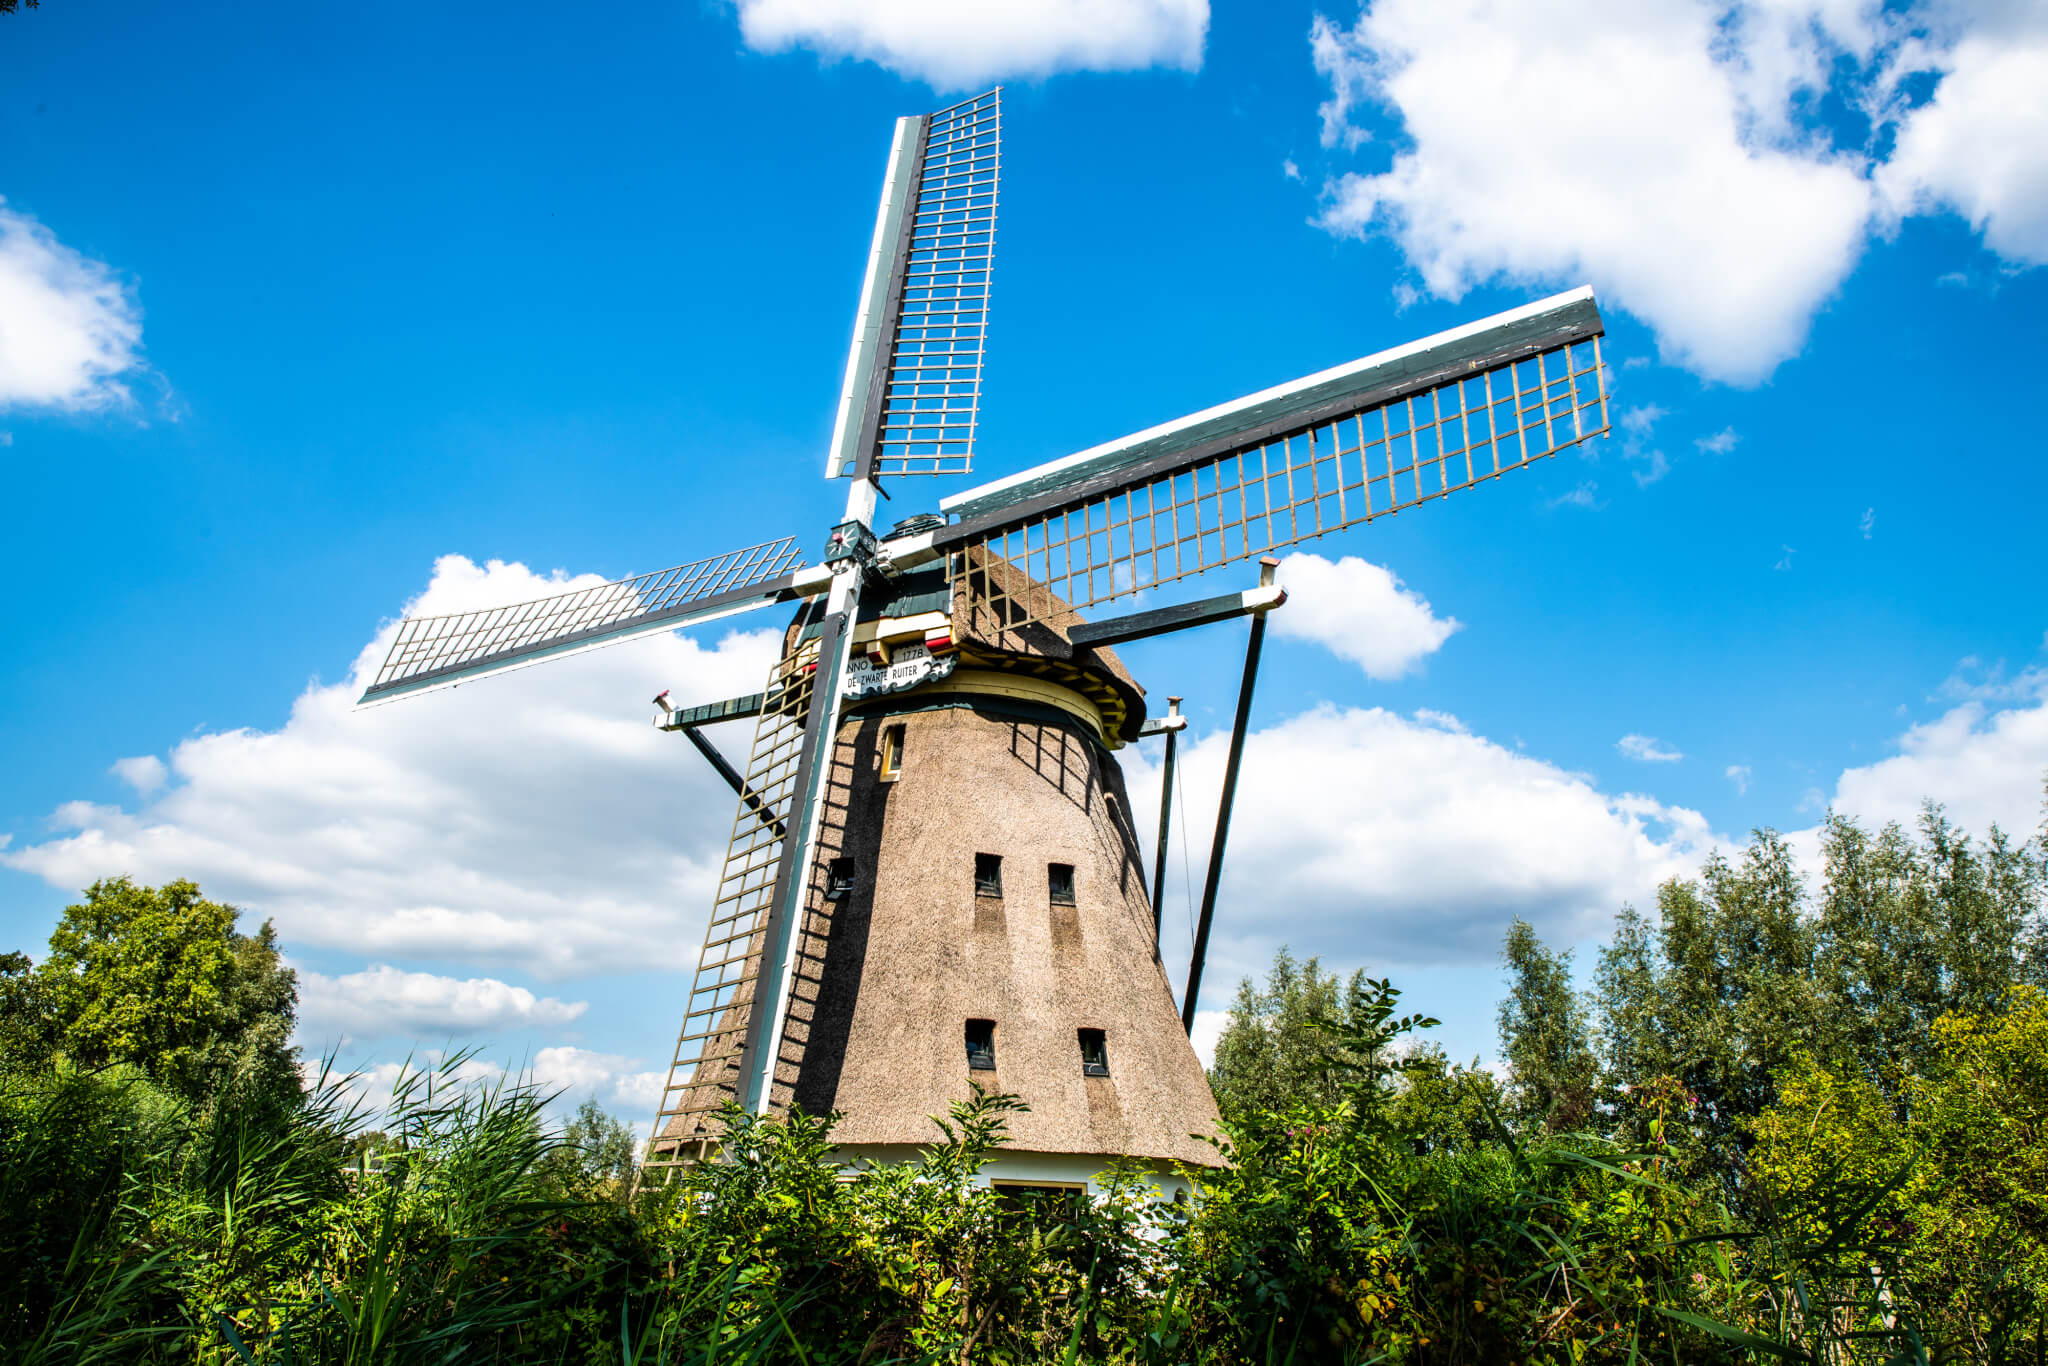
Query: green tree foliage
column 160, row 978
column 1741, row 971
column 1271, row 1052
column 597, row 1156
column 1544, row 1034
column 1953, row 1171
column 27, row 1030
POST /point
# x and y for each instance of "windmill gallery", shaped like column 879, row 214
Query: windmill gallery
column 935, row 875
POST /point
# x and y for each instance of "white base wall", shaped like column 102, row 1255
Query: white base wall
column 1035, row 1169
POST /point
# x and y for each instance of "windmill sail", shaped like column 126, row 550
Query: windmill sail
column 719, row 1012
column 1291, row 463
column 913, row 377
column 436, row 652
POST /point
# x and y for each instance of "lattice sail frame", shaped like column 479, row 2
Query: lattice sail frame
column 704, row 1070
column 1292, row 487
column 434, row 651
column 935, row 360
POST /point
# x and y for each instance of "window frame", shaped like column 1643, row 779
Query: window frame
column 988, row 877
column 892, row 753
column 1059, row 897
column 975, row 1058
column 1097, row 1066
column 841, row 875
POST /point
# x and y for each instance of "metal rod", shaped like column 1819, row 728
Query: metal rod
column 1165, row 817
column 734, row 780
column 1209, row 885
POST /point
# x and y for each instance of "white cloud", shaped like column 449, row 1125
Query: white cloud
column 535, row 820
column 1207, row 1031
column 1720, row 443
column 571, row 1075
column 576, row 1069
column 955, row 46
column 1980, row 145
column 1639, row 421
column 1647, row 749
column 143, row 772
column 384, row 1000
column 1739, row 775
column 1983, row 761
column 1290, row 170
column 1785, row 559
column 1359, row 611
column 69, row 328
column 1351, row 77
column 1668, row 150
column 1580, row 497
column 1974, row 681
column 1409, row 841
column 372, row 1087
column 1637, row 424
column 1868, row 524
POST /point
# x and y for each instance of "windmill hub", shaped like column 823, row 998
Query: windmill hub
column 933, row 879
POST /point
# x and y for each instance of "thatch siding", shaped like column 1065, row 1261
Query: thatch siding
column 891, row 974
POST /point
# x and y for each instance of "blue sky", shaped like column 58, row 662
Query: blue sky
column 295, row 304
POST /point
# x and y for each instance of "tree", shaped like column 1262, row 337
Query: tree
column 159, row 977
column 1271, row 1052
column 1946, row 1195
column 1440, row 1106
column 598, row 1153
column 1742, row 970
column 1544, row 1034
column 1712, row 998
column 26, row 1032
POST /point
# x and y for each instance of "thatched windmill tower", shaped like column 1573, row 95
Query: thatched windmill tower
column 978, row 910
column 933, row 877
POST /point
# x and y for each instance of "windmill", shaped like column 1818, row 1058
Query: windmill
column 934, row 874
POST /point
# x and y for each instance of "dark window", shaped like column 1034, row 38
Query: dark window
column 892, row 752
column 838, row 879
column 988, row 874
column 981, row 1045
column 1061, row 877
column 1094, row 1054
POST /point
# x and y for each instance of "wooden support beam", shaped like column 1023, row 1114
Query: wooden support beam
column 732, row 709
column 1139, row 625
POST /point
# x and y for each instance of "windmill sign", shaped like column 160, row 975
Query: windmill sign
column 934, row 876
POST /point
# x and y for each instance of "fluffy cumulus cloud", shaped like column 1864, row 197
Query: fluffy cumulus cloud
column 69, row 327
column 1667, row 151
column 1984, row 759
column 1979, row 145
column 955, row 46
column 536, row 821
column 1360, row 612
column 143, row 772
column 1407, row 840
column 383, row 1000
